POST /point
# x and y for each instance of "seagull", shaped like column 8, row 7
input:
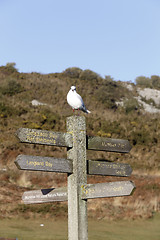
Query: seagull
column 75, row 100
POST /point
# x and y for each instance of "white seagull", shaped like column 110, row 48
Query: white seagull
column 75, row 100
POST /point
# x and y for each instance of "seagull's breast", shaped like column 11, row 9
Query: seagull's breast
column 74, row 100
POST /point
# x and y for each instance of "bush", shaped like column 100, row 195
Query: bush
column 111, row 128
column 49, row 118
column 89, row 75
column 141, row 137
column 73, row 72
column 5, row 110
column 144, row 81
column 106, row 97
column 11, row 88
column 110, row 92
column 155, row 81
column 109, row 78
column 131, row 105
column 11, row 67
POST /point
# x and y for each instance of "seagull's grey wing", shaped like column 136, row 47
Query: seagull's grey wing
column 83, row 108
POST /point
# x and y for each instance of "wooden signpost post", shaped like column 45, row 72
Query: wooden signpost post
column 77, row 167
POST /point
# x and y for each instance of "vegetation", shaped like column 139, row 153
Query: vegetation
column 100, row 95
column 11, row 88
column 107, row 119
column 131, row 105
column 102, row 229
column 152, row 82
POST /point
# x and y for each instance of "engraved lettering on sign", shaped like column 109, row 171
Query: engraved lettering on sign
column 84, row 190
column 33, row 163
column 48, row 164
column 41, row 137
column 120, row 172
column 39, row 163
column 49, row 195
column 107, row 144
column 117, row 189
column 113, row 145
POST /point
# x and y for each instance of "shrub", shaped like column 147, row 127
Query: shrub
column 11, row 67
column 110, row 92
column 11, row 88
column 143, row 81
column 49, row 118
column 155, row 81
column 106, row 97
column 89, row 75
column 109, row 78
column 131, row 105
column 141, row 137
column 73, row 72
column 5, row 110
column 111, row 128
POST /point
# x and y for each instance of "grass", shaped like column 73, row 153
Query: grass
column 24, row 229
column 98, row 229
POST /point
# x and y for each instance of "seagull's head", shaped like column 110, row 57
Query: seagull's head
column 73, row 88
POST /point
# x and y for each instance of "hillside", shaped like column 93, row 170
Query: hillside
column 119, row 110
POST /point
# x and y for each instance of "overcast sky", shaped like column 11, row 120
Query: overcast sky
column 120, row 38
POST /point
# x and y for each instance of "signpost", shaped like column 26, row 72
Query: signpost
column 44, row 137
column 108, row 144
column 109, row 168
column 99, row 190
column 110, row 189
column 45, row 164
column 45, row 195
column 77, row 167
column 50, row 164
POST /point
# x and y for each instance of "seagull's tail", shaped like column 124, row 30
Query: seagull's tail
column 84, row 109
column 87, row 111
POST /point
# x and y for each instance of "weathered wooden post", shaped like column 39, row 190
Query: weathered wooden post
column 77, row 167
column 77, row 207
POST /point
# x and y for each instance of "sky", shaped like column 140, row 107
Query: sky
column 120, row 38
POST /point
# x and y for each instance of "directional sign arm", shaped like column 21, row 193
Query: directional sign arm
column 108, row 168
column 108, row 144
column 110, row 189
column 45, row 195
column 44, row 137
column 46, row 164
